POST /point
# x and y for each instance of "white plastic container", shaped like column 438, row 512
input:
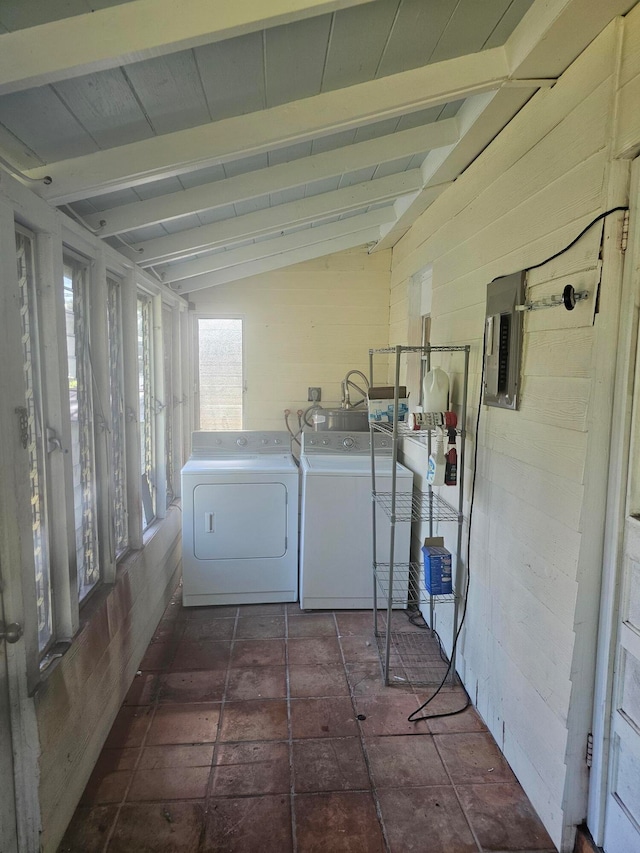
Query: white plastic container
column 435, row 391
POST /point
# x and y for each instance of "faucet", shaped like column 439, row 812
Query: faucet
column 348, row 383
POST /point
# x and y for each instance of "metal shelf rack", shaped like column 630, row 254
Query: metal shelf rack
column 410, row 656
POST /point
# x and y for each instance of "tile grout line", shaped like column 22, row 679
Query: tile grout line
column 372, row 789
column 455, row 792
column 208, row 794
column 294, row 835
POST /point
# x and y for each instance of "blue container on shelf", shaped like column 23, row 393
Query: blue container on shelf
column 437, row 567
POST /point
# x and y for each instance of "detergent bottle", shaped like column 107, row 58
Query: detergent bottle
column 437, row 461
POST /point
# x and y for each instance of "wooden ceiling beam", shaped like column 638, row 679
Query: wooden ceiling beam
column 141, row 29
column 277, row 127
column 283, row 176
column 277, row 253
column 271, row 220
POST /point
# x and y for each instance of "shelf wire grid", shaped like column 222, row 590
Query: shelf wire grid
column 407, row 587
column 418, row 506
column 416, row 658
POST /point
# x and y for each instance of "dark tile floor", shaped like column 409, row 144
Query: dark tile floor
column 263, row 728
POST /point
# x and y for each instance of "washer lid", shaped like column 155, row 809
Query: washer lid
column 355, row 466
column 242, row 464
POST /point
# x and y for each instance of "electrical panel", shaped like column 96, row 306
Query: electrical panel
column 503, row 341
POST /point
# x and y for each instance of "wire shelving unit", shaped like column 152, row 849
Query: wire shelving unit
column 412, row 656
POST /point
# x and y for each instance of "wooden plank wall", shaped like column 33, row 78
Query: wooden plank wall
column 77, row 704
column 305, row 325
column 534, row 583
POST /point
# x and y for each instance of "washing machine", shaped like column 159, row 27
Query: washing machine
column 240, row 519
column 336, row 542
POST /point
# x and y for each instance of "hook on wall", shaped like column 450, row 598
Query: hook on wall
column 569, row 297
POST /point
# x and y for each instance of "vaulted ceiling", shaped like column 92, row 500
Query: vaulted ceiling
column 209, row 140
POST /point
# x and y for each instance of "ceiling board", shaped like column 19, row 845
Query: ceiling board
column 232, row 74
column 251, row 205
column 357, row 44
column 394, row 166
column 415, row 34
column 295, row 57
column 170, row 91
column 507, row 24
column 291, row 152
column 20, row 14
column 285, row 196
column 357, row 177
column 106, row 107
column 42, row 122
column 245, row 164
column 469, row 27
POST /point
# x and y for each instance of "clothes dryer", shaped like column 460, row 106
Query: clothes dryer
column 240, row 519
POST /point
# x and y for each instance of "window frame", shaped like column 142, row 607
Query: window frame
column 195, row 334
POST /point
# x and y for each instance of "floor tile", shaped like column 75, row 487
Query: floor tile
column 313, row 718
column 365, row 679
column 169, row 783
column 359, row 648
column 168, row 630
column 88, row 830
column 258, row 653
column 106, row 787
column 264, row 719
column 256, row 627
column 405, row 761
column 473, row 758
column 246, row 824
column 317, row 680
column 420, row 819
column 176, row 755
column 158, row 656
column 194, row 686
column 329, row 764
column 144, row 689
column 206, row 654
column 158, row 828
column 312, row 625
column 210, row 629
column 251, row 768
column 194, row 723
column 261, row 682
column 274, row 609
column 129, row 727
column 344, row 822
column 387, row 715
column 213, row 611
column 354, row 622
column 117, row 759
column 314, row 650
column 502, row 818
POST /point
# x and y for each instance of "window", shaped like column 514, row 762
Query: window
column 76, row 302
column 116, row 437
column 169, row 402
column 220, row 373
column 34, row 435
column 146, row 419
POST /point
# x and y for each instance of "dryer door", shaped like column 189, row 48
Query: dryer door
column 240, row 521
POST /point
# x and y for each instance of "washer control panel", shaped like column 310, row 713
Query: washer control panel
column 343, row 442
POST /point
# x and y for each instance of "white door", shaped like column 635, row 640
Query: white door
column 8, row 830
column 622, row 810
column 614, row 795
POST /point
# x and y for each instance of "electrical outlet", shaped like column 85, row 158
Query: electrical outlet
column 314, row 395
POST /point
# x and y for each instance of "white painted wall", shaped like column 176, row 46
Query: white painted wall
column 528, row 651
column 305, row 325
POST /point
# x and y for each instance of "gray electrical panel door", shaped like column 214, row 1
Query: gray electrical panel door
column 503, row 341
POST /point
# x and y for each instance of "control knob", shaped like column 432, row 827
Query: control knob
column 348, row 442
column 241, row 442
